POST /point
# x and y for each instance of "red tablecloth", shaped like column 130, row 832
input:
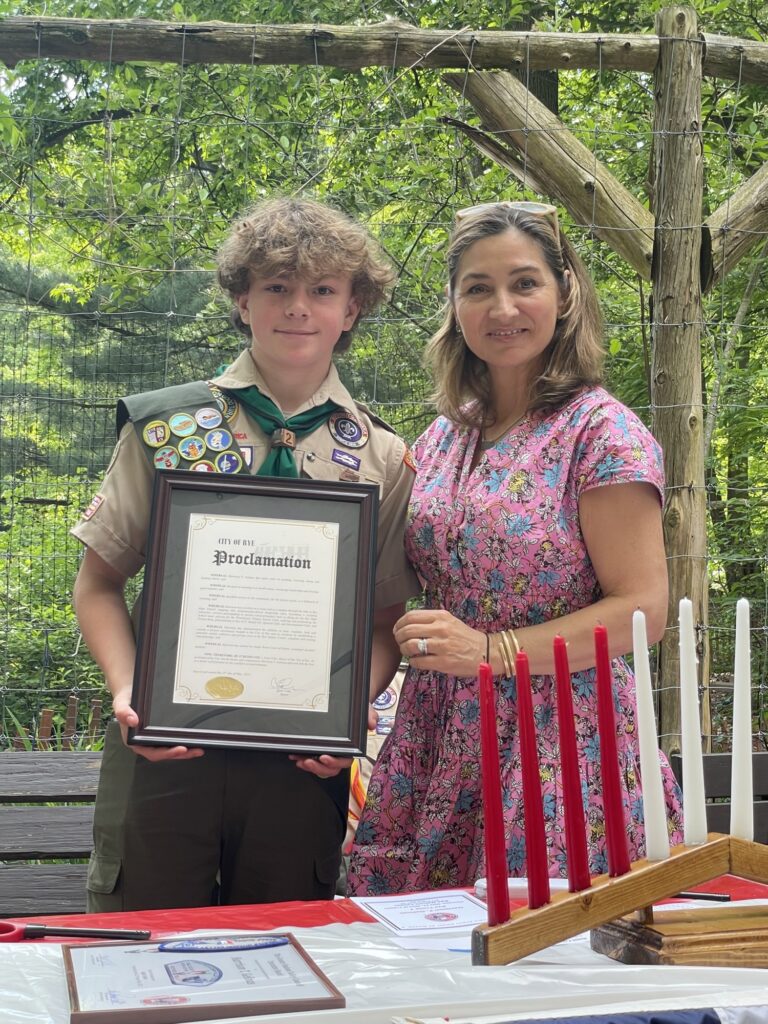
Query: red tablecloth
column 264, row 915
column 297, row 915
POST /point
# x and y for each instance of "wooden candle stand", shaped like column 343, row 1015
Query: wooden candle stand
column 717, row 937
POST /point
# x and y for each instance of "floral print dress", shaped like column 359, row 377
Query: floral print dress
column 501, row 546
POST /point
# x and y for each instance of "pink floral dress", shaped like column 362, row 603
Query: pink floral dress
column 500, row 546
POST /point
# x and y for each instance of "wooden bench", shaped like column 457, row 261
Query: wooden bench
column 46, row 814
column 717, row 791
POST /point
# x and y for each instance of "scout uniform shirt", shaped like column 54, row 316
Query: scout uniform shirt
column 352, row 445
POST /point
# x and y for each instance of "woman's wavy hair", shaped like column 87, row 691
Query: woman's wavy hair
column 308, row 238
column 574, row 357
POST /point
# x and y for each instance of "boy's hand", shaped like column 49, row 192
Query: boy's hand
column 324, row 767
column 127, row 717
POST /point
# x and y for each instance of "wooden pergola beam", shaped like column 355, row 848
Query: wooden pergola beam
column 737, row 226
column 390, row 44
column 677, row 184
column 561, row 167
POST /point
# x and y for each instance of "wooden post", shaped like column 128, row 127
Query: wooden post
column 678, row 421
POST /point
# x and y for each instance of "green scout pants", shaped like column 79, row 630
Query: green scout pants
column 233, row 826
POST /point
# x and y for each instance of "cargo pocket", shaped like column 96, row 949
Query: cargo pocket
column 327, row 868
column 102, row 880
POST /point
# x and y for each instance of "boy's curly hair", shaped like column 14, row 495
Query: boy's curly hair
column 304, row 237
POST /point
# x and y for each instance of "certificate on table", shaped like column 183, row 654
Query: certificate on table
column 145, row 983
column 257, row 614
column 425, row 913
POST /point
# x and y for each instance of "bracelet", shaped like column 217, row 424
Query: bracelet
column 515, row 644
column 505, row 651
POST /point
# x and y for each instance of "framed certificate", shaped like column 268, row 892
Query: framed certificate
column 256, row 618
column 194, row 979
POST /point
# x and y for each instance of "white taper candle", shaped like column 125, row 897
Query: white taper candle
column 742, row 814
column 654, row 808
column 694, row 809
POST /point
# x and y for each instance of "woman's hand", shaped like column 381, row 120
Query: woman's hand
column 435, row 640
column 324, row 767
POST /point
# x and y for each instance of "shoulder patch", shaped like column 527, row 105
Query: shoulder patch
column 96, row 500
column 408, row 459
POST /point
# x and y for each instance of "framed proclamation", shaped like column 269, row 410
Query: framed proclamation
column 194, row 979
column 256, row 619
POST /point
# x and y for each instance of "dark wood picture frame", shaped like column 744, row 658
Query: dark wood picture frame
column 341, row 730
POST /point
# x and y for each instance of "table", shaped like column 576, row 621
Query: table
column 382, row 981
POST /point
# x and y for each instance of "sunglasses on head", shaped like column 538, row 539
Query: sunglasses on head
column 549, row 213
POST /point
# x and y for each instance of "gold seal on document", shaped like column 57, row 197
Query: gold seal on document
column 224, row 687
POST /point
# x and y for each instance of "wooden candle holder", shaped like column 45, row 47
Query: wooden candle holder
column 710, row 937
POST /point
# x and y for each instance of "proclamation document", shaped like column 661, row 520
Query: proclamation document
column 257, row 613
column 172, row 981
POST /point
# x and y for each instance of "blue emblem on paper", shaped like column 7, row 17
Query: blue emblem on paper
column 193, row 972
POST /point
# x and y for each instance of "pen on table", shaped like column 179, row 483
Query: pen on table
column 714, row 897
column 12, row 932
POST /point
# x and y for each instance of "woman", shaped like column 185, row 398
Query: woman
column 536, row 511
column 176, row 826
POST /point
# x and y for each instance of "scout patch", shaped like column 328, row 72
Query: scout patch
column 96, row 500
column 166, row 458
column 225, row 402
column 386, row 699
column 228, row 462
column 347, row 430
column 349, row 474
column 247, row 452
column 409, row 460
column 191, row 448
column 156, row 433
column 218, row 439
column 182, row 424
column 203, row 466
column 345, row 459
column 208, row 417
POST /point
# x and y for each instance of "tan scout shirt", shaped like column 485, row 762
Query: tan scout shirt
column 116, row 524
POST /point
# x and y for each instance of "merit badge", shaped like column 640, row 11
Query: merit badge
column 156, row 433
column 218, row 439
column 346, row 430
column 228, row 462
column 208, row 417
column 191, row 448
column 385, row 700
column 182, row 424
column 203, row 466
column 345, row 459
column 166, row 458
column 96, row 500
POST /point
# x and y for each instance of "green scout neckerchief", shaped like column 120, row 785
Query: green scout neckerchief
column 282, row 431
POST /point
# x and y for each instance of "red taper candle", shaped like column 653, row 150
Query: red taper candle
column 533, row 806
column 493, row 817
column 573, row 804
column 613, row 809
